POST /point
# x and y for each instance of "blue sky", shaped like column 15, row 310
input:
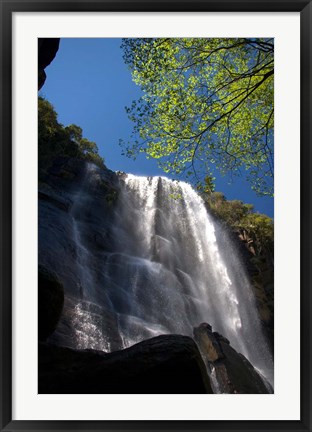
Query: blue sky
column 89, row 85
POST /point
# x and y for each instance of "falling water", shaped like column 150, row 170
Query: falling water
column 171, row 267
column 87, row 316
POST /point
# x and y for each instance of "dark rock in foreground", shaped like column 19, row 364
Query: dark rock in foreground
column 233, row 372
column 169, row 364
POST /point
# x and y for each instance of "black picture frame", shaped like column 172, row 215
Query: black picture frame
column 7, row 9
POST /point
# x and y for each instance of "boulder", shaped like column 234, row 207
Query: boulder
column 232, row 371
column 169, row 364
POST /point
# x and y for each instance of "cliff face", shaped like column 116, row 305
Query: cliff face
column 75, row 220
column 260, row 268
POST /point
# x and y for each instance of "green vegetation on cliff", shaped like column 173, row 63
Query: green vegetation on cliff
column 56, row 140
column 256, row 229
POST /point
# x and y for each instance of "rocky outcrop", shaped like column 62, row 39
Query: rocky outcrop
column 262, row 279
column 164, row 364
column 232, row 372
column 50, row 302
column 47, row 49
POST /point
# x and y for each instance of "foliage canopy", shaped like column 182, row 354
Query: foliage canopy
column 205, row 103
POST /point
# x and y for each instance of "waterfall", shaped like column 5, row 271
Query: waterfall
column 171, row 267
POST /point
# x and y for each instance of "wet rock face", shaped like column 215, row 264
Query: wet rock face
column 76, row 215
column 263, row 282
column 260, row 269
column 83, row 324
column 47, row 49
column 168, row 364
column 233, row 372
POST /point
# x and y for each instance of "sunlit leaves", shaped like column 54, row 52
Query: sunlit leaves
column 205, row 102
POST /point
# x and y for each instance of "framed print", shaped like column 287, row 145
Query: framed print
column 155, row 234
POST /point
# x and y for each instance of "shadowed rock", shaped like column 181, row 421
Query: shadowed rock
column 169, row 364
